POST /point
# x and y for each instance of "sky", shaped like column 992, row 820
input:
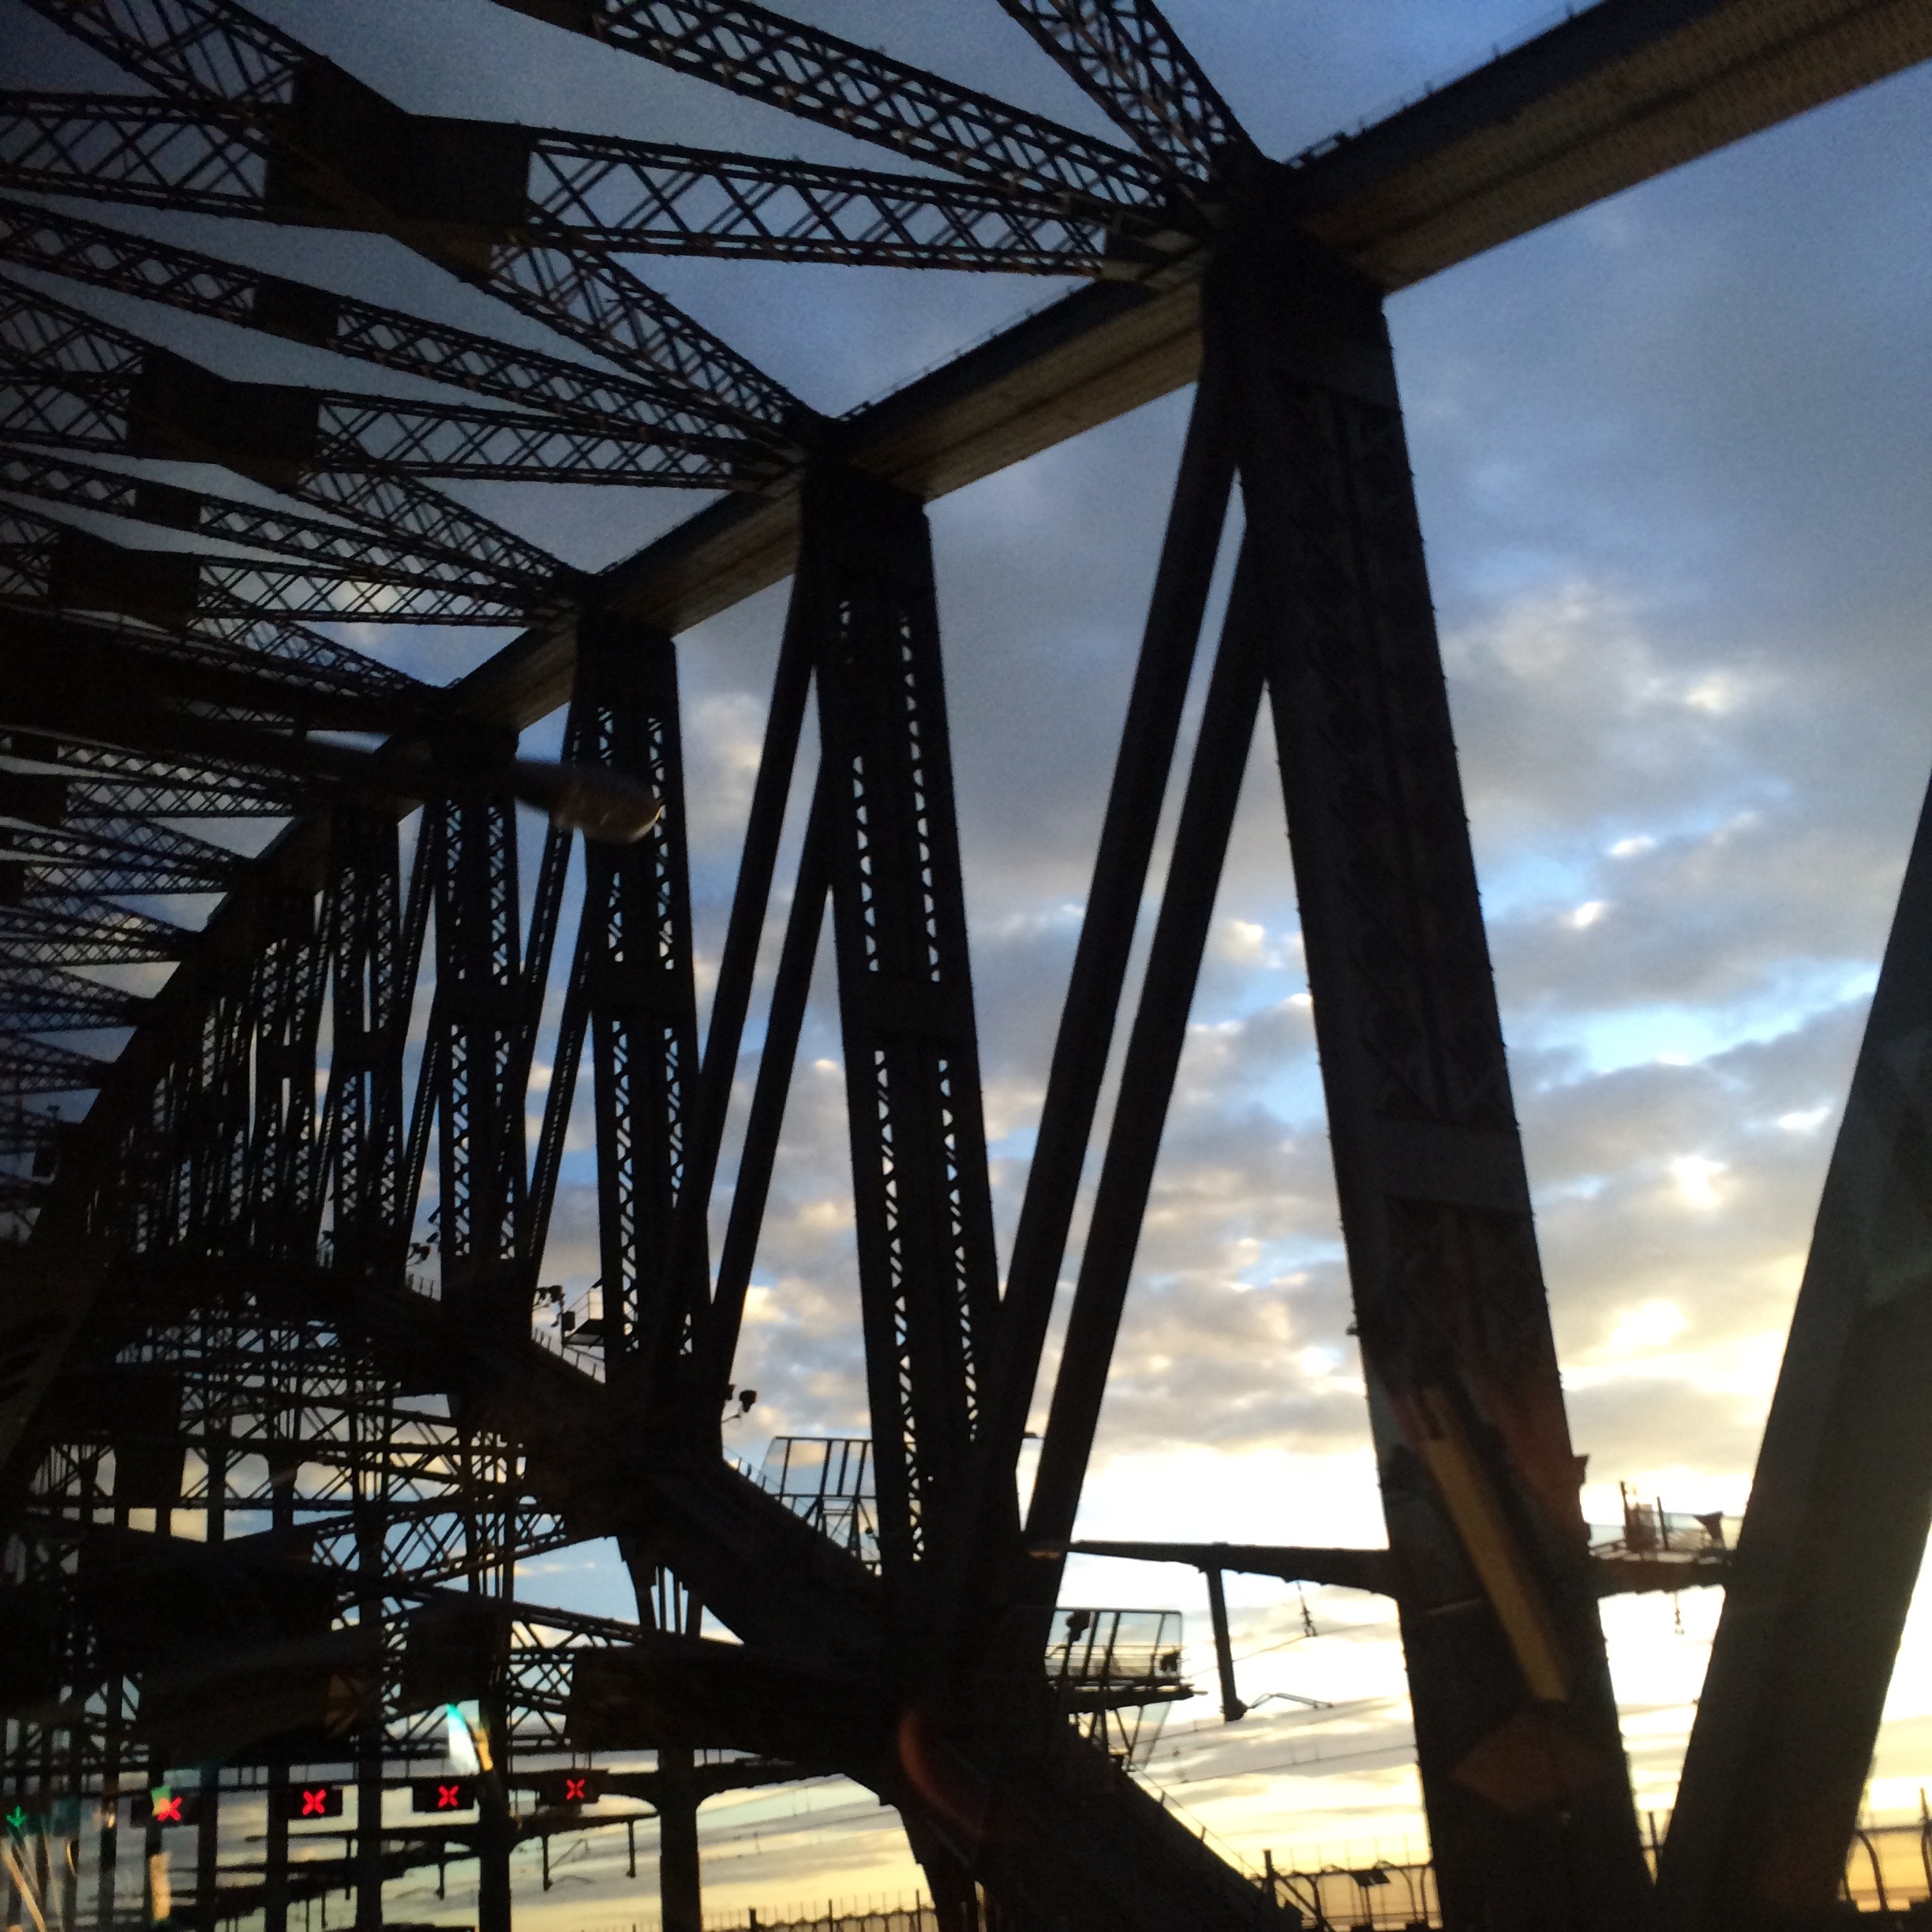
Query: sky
column 1670, row 457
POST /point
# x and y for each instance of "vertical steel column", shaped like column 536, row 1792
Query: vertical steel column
column 680, row 1896
column 371, row 1520
column 106, row 1809
column 635, row 948
column 1836, row 1529
column 208, row 1851
column 154, row 1852
column 67, row 1851
column 368, row 1019
column 285, row 1001
column 1232, row 1708
column 108, row 1845
column 926, row 1277
column 207, row 1832
column 495, row 1903
column 1520, row 1758
column 284, row 1460
column 490, row 1552
column 664, row 1603
column 477, row 1022
column 43, row 1846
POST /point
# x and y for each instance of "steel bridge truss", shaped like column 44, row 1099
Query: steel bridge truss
column 277, row 1360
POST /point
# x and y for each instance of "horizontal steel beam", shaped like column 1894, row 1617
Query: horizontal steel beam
column 1621, row 93
column 1615, row 1575
column 1341, row 1569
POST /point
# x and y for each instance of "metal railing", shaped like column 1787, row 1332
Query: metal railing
column 827, row 1480
column 1378, row 1895
column 1649, row 1529
column 1105, row 1647
column 1887, row 1870
column 878, row 1913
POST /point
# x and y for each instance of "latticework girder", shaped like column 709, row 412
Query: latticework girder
column 580, row 192
column 42, row 999
column 763, row 55
column 119, row 855
column 82, row 781
column 1128, row 58
column 77, row 383
column 77, row 929
column 327, row 151
column 67, row 481
column 364, row 331
column 233, row 665
column 73, row 379
column 46, row 561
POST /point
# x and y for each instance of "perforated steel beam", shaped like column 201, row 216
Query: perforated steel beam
column 631, row 990
column 926, row 1269
column 548, row 188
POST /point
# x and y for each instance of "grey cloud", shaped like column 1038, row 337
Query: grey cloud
column 1632, row 1426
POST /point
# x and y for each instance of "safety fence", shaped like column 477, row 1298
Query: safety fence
column 1890, row 1866
column 879, row 1912
column 1888, row 1872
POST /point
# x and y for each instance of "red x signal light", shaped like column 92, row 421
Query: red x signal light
column 311, row 1801
column 570, row 1787
column 442, row 1794
column 162, row 1806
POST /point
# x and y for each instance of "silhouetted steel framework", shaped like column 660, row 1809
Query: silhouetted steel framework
column 232, row 1303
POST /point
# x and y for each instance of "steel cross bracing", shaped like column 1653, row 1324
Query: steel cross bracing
column 45, row 559
column 227, row 684
column 1128, row 57
column 344, row 554
column 76, row 383
column 759, row 53
column 281, row 1287
column 32, row 1066
column 574, row 193
column 126, row 855
column 549, row 386
column 324, row 155
column 86, row 781
column 43, row 999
